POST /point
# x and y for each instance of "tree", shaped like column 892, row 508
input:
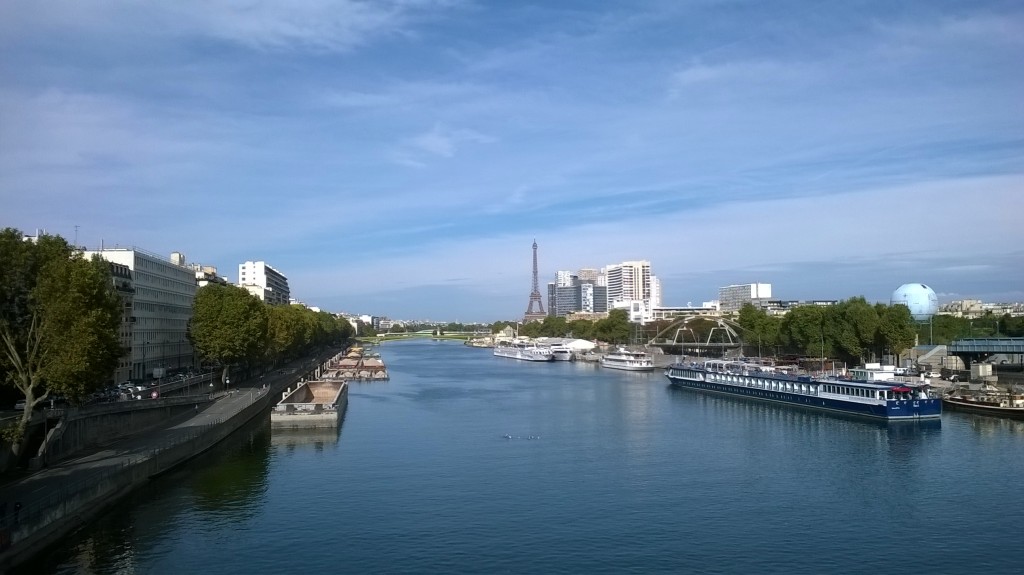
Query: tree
column 284, row 327
column 229, row 326
column 59, row 320
column 554, row 326
column 854, row 323
column 615, row 328
column 581, row 328
column 895, row 328
column 366, row 329
column 802, row 330
column 759, row 328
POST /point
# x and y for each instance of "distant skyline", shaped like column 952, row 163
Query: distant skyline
column 399, row 157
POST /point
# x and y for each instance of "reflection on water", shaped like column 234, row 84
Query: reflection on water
column 988, row 424
column 631, row 475
column 227, row 484
column 319, row 438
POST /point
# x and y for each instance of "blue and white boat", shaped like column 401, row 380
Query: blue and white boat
column 886, row 400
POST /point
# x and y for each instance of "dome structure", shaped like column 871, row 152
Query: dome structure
column 919, row 298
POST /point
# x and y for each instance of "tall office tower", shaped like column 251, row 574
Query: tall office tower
column 161, row 307
column 264, row 282
column 731, row 298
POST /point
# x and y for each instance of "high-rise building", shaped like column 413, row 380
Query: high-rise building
column 564, row 278
column 629, row 282
column 579, row 296
column 732, row 298
column 264, row 282
column 161, row 309
column 588, row 275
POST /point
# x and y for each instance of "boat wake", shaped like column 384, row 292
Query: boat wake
column 507, row 436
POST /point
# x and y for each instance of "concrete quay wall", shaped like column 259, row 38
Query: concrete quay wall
column 68, row 505
column 88, row 427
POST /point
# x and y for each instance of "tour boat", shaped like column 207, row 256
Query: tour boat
column 628, row 360
column 887, row 400
column 522, row 350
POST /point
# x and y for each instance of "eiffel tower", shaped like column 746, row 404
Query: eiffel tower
column 538, row 315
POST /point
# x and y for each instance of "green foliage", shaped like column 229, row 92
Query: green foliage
column 802, row 330
column 853, row 324
column 229, row 325
column 581, row 329
column 895, row 329
column 365, row 329
column 759, row 328
column 59, row 319
column 554, row 326
column 615, row 328
column 530, row 329
column 81, row 323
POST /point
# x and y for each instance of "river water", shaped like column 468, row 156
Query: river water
column 468, row 463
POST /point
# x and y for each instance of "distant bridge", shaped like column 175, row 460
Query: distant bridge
column 678, row 338
column 975, row 349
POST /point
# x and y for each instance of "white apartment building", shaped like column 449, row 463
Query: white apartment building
column 264, row 282
column 627, row 283
column 564, row 278
column 161, row 309
column 732, row 298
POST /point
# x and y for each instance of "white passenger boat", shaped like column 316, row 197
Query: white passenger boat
column 523, row 350
column 628, row 360
column 560, row 352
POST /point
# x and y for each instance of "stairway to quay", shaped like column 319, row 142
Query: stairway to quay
column 39, row 508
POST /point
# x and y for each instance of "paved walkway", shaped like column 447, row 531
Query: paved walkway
column 39, row 488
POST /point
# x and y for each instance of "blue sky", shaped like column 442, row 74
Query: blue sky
column 398, row 157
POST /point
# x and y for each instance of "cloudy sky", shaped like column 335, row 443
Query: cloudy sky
column 399, row 157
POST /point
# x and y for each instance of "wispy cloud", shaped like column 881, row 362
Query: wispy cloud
column 318, row 25
column 724, row 141
column 443, row 141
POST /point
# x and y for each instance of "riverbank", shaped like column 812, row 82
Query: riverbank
column 38, row 509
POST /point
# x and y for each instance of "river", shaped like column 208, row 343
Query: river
column 468, row 463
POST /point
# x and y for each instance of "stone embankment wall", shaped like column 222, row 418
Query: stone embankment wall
column 83, row 428
column 69, row 506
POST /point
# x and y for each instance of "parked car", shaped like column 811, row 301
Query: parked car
column 19, row 405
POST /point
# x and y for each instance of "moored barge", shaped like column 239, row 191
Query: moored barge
column 998, row 404
column 317, row 403
column 890, row 401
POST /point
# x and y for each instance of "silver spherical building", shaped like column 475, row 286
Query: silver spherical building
column 921, row 300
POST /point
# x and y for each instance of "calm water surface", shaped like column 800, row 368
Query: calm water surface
column 605, row 472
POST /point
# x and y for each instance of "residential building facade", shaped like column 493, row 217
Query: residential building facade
column 264, row 282
column 161, row 309
column 732, row 298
